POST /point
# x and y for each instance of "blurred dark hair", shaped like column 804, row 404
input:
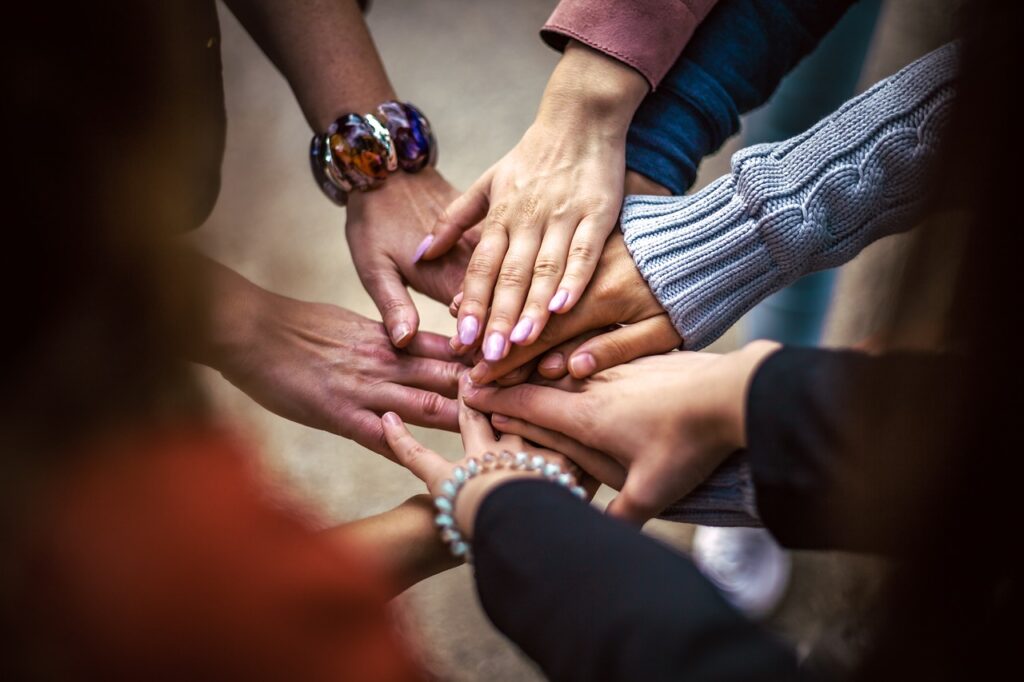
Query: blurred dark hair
column 952, row 607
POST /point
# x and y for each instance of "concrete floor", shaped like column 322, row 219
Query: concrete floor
column 478, row 69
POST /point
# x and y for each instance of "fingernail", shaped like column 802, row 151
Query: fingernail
column 499, row 419
column 582, row 365
column 468, row 327
column 477, row 374
column 558, row 300
column 391, row 419
column 401, row 332
column 457, row 301
column 469, row 388
column 522, row 330
column 553, row 361
column 422, row 248
column 494, row 347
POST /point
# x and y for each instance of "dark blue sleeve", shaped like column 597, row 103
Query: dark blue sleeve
column 735, row 61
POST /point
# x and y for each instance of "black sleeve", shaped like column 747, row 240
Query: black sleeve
column 590, row 598
column 840, row 443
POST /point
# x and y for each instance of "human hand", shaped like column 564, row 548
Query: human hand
column 324, row 366
column 383, row 228
column 477, row 439
column 667, row 421
column 617, row 295
column 549, row 205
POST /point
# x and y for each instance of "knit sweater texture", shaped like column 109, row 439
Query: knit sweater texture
column 791, row 208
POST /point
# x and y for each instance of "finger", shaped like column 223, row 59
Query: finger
column 559, row 329
column 416, row 406
column 551, row 408
column 637, row 502
column 597, row 464
column 425, row 464
column 555, row 364
column 648, row 337
column 478, row 284
column 459, row 216
column 518, row 375
column 453, row 307
column 477, row 434
column 547, row 273
column 385, row 286
column 432, row 346
column 584, row 252
column 509, row 293
column 435, row 376
column 365, row 428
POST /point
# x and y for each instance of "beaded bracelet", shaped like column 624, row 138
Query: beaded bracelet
column 358, row 152
column 445, row 502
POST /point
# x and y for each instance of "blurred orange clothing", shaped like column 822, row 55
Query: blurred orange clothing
column 168, row 558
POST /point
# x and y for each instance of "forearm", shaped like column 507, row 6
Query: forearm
column 841, row 444
column 403, row 542
column 590, row 89
column 809, row 203
column 564, row 582
column 733, row 64
column 325, row 51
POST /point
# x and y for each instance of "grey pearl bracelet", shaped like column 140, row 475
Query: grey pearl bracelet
column 445, row 502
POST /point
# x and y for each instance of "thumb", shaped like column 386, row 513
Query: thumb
column 460, row 215
column 649, row 337
column 392, row 299
column 637, row 501
column 425, row 464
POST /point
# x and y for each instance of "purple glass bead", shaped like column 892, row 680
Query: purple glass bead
column 413, row 138
column 335, row 191
column 356, row 152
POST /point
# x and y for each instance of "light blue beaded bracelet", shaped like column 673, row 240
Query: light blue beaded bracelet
column 445, row 502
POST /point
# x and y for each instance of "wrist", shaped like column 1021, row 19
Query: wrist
column 476, row 490
column 234, row 311
column 593, row 89
column 638, row 183
column 744, row 365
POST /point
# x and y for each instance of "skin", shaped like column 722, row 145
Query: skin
column 331, row 77
column 324, row 366
column 666, row 421
column 617, row 295
column 403, row 542
column 547, row 207
column 477, row 438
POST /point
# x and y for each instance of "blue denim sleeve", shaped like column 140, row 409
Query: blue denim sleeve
column 735, row 61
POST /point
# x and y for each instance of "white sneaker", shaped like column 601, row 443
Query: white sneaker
column 746, row 564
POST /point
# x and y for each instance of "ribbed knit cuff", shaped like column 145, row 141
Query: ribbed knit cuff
column 791, row 208
column 726, row 498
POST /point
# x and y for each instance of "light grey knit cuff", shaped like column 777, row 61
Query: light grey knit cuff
column 790, row 208
column 726, row 498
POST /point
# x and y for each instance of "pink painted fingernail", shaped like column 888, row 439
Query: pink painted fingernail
column 558, row 300
column 422, row 248
column 522, row 330
column 582, row 365
column 468, row 328
column 494, row 347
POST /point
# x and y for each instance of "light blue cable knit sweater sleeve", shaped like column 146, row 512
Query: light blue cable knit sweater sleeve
column 790, row 208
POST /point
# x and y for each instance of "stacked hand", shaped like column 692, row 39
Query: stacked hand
column 655, row 428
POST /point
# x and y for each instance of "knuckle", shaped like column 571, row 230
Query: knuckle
column 547, row 268
column 583, row 251
column 433, row 404
column 513, row 276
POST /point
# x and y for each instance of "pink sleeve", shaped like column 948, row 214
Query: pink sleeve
column 648, row 35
